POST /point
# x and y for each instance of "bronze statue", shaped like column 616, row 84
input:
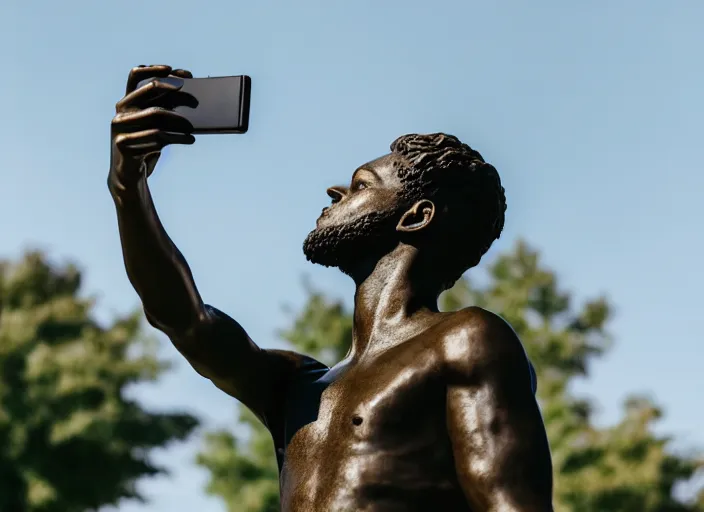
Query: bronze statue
column 428, row 410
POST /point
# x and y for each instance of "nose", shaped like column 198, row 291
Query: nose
column 337, row 194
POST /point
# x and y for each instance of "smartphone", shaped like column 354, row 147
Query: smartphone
column 223, row 103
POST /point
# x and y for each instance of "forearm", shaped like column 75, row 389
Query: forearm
column 155, row 267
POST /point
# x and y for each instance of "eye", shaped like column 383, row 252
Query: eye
column 360, row 185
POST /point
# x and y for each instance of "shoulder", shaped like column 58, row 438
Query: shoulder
column 479, row 332
column 477, row 342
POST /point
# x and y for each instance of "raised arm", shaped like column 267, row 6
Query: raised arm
column 501, row 450
column 215, row 345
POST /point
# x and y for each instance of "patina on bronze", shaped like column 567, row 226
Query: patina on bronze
column 428, row 410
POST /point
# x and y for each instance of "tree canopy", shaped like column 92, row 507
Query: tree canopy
column 71, row 440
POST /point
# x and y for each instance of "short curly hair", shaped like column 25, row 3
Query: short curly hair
column 466, row 189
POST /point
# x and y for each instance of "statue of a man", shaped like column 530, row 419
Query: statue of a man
column 428, row 410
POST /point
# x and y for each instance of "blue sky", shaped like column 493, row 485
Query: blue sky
column 591, row 111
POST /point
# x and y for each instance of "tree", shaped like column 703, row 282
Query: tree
column 70, row 438
column 623, row 468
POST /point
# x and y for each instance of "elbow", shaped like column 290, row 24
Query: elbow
column 180, row 326
column 151, row 320
column 154, row 321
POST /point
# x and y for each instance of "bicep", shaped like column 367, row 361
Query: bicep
column 220, row 349
column 501, row 452
column 501, row 455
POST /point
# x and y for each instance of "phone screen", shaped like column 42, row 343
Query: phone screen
column 223, row 103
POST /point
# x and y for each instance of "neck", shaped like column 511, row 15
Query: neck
column 393, row 302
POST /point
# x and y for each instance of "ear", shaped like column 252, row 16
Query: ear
column 417, row 218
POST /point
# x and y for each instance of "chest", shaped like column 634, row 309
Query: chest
column 356, row 409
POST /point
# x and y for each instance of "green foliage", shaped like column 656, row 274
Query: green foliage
column 322, row 329
column 70, row 440
column 623, row 468
column 244, row 474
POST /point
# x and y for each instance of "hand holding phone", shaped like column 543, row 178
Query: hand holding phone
column 164, row 106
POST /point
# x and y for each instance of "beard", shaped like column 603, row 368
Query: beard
column 346, row 245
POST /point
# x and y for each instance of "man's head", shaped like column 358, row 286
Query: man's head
column 431, row 191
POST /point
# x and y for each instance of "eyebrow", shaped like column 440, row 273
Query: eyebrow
column 366, row 169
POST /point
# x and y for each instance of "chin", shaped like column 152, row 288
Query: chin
column 323, row 246
column 346, row 246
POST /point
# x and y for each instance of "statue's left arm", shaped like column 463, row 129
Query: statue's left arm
column 500, row 447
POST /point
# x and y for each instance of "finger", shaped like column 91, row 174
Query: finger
column 153, row 117
column 143, row 72
column 150, row 141
column 146, row 93
column 178, row 99
column 159, row 92
column 182, row 73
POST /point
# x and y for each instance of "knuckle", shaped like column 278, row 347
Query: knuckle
column 155, row 111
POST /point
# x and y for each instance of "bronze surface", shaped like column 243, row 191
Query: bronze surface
column 428, row 410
